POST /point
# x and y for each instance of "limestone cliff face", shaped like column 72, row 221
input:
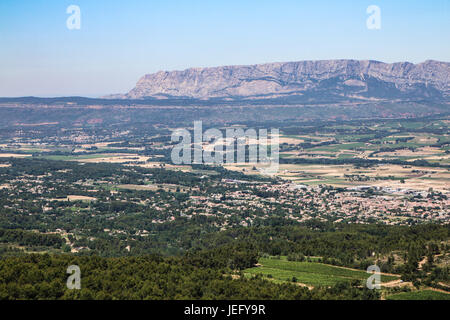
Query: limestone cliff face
column 338, row 78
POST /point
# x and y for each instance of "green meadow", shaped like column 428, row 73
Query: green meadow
column 310, row 273
column 420, row 295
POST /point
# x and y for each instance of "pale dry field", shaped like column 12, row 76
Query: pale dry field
column 184, row 168
column 82, row 198
column 149, row 187
column 35, row 124
column 143, row 187
column 74, row 198
column 425, row 178
column 290, row 140
column 14, row 155
column 419, row 153
column 425, row 139
column 116, row 158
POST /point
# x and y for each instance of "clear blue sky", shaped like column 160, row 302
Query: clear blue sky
column 119, row 41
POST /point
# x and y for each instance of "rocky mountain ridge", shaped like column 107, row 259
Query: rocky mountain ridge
column 308, row 80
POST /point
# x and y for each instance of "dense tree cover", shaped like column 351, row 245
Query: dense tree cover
column 147, row 277
column 203, row 272
column 350, row 245
column 330, row 239
column 27, row 238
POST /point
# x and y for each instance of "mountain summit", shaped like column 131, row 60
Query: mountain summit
column 309, row 80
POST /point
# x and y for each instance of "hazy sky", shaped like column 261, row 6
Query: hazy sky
column 119, row 41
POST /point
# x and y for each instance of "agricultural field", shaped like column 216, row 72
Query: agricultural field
column 400, row 154
column 420, row 295
column 308, row 273
column 396, row 154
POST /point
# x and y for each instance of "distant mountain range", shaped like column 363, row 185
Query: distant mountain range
column 306, row 90
column 303, row 81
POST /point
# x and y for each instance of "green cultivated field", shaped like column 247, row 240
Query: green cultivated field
column 420, row 295
column 310, row 273
column 79, row 157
